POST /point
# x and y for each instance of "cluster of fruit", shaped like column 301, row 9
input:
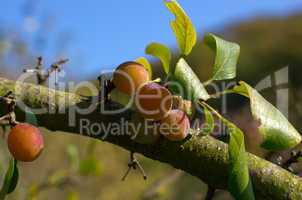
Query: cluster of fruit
column 152, row 101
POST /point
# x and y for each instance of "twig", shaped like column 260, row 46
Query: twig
column 134, row 164
column 286, row 159
column 106, row 86
column 43, row 75
column 211, row 193
column 295, row 155
column 9, row 118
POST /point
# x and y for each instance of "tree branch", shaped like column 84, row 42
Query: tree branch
column 203, row 157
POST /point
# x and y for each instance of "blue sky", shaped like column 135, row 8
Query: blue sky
column 103, row 33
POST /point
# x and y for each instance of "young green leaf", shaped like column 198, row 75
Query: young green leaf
column 239, row 183
column 194, row 89
column 146, row 64
column 209, row 123
column 277, row 132
column 157, row 80
column 227, row 54
column 183, row 28
column 162, row 52
column 10, row 180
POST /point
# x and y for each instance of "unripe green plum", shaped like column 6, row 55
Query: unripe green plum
column 175, row 126
column 25, row 142
column 153, row 101
column 129, row 76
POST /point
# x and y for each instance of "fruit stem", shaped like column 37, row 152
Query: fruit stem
column 9, row 118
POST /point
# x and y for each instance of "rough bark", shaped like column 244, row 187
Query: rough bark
column 203, row 157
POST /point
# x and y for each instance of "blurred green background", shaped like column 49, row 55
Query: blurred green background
column 74, row 168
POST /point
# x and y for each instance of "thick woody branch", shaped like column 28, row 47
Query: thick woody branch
column 203, row 157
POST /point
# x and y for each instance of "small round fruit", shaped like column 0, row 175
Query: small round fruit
column 153, row 101
column 129, row 76
column 175, row 126
column 25, row 142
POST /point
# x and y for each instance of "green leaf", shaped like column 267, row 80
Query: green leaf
column 57, row 177
column 183, row 28
column 73, row 195
column 90, row 166
column 14, row 180
column 193, row 88
column 10, row 180
column 157, row 80
column 276, row 130
column 122, row 98
column 162, row 52
column 227, row 54
column 33, row 191
column 73, row 156
column 209, row 124
column 146, row 64
column 239, row 183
